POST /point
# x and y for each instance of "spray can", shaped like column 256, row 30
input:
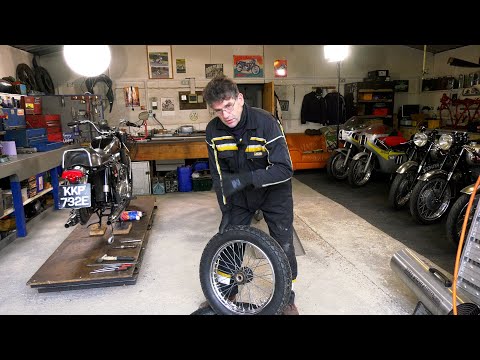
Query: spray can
column 131, row 215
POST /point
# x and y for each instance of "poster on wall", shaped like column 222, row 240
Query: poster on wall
column 400, row 85
column 212, row 70
column 132, row 96
column 280, row 68
column 247, row 66
column 181, row 66
column 168, row 107
column 159, row 61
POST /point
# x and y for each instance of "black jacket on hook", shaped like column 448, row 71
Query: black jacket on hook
column 314, row 108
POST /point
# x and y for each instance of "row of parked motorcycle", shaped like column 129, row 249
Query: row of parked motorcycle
column 433, row 173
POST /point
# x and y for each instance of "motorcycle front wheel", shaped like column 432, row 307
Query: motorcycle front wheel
column 336, row 168
column 426, row 206
column 456, row 216
column 244, row 271
column 357, row 174
column 401, row 188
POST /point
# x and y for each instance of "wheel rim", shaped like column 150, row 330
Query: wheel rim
column 338, row 169
column 254, row 277
column 460, row 219
column 430, row 207
column 405, row 189
column 360, row 177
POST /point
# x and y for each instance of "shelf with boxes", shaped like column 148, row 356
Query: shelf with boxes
column 373, row 99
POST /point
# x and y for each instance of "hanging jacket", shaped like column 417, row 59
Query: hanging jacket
column 313, row 109
column 334, row 106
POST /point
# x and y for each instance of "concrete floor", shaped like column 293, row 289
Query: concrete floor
column 342, row 272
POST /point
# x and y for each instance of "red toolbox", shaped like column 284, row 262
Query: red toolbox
column 31, row 104
column 45, row 121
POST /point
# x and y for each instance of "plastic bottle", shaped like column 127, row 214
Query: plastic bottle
column 131, row 215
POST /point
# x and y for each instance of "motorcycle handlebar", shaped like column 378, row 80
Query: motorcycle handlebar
column 128, row 123
column 73, row 123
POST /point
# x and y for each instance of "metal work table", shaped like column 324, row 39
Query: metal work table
column 21, row 167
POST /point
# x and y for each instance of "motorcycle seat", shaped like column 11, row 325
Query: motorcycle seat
column 394, row 141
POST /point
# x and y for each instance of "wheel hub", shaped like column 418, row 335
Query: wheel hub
column 243, row 276
column 431, row 199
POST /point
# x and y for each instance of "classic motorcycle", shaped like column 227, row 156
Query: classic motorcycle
column 407, row 173
column 435, row 190
column 457, row 213
column 384, row 151
column 244, row 271
column 250, row 65
column 98, row 177
column 338, row 162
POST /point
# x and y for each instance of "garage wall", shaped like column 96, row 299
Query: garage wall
column 306, row 68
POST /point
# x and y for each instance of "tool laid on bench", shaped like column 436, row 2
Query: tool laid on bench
column 112, row 268
column 114, row 264
column 117, row 258
column 125, row 247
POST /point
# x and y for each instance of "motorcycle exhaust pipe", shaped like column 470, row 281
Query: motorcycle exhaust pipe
column 72, row 221
column 113, row 217
column 430, row 285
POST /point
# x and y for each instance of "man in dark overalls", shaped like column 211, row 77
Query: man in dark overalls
column 250, row 166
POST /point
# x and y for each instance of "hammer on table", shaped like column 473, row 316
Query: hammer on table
column 118, row 258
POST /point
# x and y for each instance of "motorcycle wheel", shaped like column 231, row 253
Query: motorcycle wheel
column 401, row 189
column 239, row 67
column 456, row 216
column 256, row 69
column 423, row 205
column 84, row 215
column 335, row 168
column 263, row 278
column 356, row 175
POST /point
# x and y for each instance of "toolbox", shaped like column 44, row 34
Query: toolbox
column 31, row 104
column 27, row 137
column 14, row 118
column 49, row 121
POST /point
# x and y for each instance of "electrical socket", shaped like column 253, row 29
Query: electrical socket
column 185, row 82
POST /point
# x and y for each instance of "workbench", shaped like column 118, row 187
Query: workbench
column 172, row 148
column 21, row 167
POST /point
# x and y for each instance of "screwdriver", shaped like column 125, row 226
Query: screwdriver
column 125, row 247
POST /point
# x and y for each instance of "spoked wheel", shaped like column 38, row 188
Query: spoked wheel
column 336, row 168
column 456, row 216
column 244, row 271
column 357, row 174
column 401, row 189
column 426, row 206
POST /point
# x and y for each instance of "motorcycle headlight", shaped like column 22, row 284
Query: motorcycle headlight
column 420, row 139
column 445, row 141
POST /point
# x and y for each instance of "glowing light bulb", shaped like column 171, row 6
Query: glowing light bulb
column 87, row 60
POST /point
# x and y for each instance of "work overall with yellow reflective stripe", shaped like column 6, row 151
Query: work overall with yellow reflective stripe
column 261, row 149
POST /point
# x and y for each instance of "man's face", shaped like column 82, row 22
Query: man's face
column 229, row 111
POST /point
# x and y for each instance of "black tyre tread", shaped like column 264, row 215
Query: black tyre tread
column 351, row 174
column 332, row 174
column 413, row 204
column 269, row 245
column 392, row 194
column 453, row 215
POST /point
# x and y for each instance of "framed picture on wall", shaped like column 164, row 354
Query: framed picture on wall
column 159, row 61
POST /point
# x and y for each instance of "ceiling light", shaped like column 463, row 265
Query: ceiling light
column 87, row 60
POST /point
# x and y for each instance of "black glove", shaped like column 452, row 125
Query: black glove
column 225, row 221
column 231, row 183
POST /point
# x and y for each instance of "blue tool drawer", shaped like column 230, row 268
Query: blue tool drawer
column 27, row 137
column 15, row 118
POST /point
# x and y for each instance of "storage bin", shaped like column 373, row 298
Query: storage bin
column 184, row 176
column 203, row 183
